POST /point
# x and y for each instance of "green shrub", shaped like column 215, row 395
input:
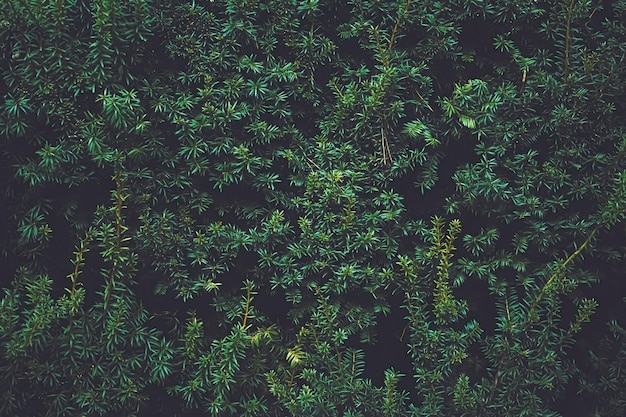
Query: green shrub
column 243, row 207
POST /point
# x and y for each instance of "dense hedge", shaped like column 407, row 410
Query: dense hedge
column 320, row 208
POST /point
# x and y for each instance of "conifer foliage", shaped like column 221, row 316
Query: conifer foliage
column 242, row 207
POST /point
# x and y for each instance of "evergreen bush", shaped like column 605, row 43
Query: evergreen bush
column 305, row 207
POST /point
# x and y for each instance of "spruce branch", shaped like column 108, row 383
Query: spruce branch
column 568, row 35
column 401, row 15
column 249, row 288
column 556, row 274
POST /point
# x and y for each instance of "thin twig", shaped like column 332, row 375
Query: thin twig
column 385, row 146
column 558, row 272
column 568, row 35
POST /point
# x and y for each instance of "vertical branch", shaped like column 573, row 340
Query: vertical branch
column 248, row 301
column 394, row 31
column 384, row 145
column 116, row 256
column 568, row 35
column 330, row 320
column 75, row 296
column 444, row 305
column 385, row 60
column 119, row 201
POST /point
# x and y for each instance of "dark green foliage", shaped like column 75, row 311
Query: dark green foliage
column 605, row 380
column 237, row 207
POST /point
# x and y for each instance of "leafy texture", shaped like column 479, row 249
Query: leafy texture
column 320, row 208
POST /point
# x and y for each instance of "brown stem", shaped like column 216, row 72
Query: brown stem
column 248, row 301
column 558, row 272
column 397, row 24
column 568, row 35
